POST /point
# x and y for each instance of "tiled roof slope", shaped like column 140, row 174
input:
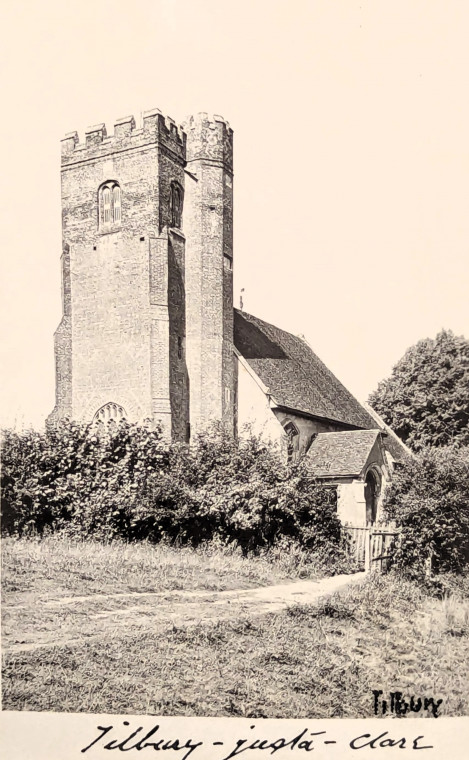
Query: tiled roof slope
column 340, row 454
column 397, row 448
column 295, row 376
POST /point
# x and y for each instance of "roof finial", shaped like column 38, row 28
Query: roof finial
column 241, row 298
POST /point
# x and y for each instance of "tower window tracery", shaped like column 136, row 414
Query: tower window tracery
column 110, row 205
column 175, row 205
column 110, row 412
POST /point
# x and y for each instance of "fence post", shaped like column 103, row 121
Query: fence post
column 367, row 550
column 428, row 565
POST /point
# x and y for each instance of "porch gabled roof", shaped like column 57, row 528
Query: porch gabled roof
column 340, row 454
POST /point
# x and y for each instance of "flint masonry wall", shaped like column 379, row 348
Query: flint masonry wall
column 121, row 338
column 208, row 225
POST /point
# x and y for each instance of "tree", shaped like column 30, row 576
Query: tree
column 428, row 501
column 426, row 398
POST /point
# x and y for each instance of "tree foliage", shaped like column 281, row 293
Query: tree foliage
column 426, row 398
column 428, row 500
column 127, row 482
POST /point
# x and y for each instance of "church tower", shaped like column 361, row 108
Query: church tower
column 208, row 225
column 120, row 346
column 147, row 275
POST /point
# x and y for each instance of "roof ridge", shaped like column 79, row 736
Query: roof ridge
column 387, row 429
column 353, row 432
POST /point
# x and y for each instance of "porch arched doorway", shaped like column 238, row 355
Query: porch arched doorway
column 372, row 491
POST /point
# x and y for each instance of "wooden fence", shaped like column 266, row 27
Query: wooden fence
column 372, row 547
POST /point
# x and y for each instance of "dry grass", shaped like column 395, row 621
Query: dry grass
column 456, row 616
column 59, row 592
column 319, row 661
column 57, row 567
column 310, row 661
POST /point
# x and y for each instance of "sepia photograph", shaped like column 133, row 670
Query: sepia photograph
column 235, row 365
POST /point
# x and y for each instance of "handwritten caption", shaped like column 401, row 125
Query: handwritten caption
column 127, row 740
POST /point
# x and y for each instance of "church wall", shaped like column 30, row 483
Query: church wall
column 254, row 414
column 306, row 427
column 351, row 504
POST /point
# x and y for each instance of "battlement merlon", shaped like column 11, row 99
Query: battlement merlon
column 209, row 138
column 156, row 128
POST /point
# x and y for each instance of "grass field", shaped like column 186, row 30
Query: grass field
column 59, row 567
column 307, row 661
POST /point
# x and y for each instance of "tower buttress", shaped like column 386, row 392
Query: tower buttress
column 208, row 225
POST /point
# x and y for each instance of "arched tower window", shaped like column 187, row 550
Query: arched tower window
column 175, row 205
column 110, row 412
column 110, row 208
column 293, row 440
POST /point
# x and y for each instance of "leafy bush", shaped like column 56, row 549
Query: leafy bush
column 128, row 482
column 429, row 501
column 75, row 473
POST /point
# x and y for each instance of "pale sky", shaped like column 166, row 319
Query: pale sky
column 351, row 124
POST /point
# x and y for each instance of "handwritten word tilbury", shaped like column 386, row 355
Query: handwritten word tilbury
column 306, row 741
column 397, row 705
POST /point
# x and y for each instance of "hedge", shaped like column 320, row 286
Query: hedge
column 127, row 482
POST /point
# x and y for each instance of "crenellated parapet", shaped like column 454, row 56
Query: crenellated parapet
column 155, row 129
column 209, row 138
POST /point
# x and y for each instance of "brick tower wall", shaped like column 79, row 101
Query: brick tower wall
column 208, row 225
column 114, row 342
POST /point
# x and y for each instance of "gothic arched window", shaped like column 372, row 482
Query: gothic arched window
column 109, row 201
column 293, row 439
column 110, row 412
column 175, row 205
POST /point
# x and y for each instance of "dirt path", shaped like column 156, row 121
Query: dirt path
column 75, row 620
